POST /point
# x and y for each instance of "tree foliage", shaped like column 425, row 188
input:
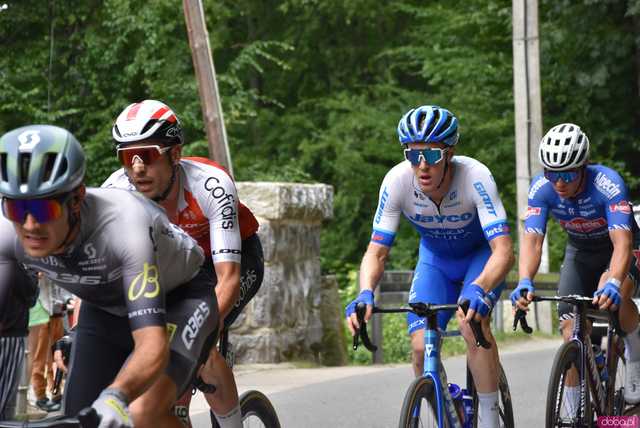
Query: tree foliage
column 312, row 90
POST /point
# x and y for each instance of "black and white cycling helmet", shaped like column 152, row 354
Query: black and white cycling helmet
column 149, row 119
column 564, row 147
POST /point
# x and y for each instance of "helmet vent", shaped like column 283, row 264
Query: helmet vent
column 3, row 167
column 432, row 124
column 25, row 162
column 148, row 126
column 62, row 169
column 49, row 162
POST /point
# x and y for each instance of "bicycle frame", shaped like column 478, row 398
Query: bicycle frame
column 434, row 369
column 588, row 370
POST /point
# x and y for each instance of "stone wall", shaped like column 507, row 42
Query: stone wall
column 283, row 321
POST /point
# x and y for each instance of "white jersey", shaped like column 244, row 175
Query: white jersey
column 469, row 215
column 208, row 207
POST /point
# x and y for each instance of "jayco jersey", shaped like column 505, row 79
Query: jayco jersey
column 125, row 259
column 208, row 207
column 587, row 218
column 469, row 215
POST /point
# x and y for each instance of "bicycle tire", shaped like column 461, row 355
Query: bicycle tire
column 567, row 356
column 615, row 405
column 420, row 389
column 505, row 405
column 257, row 411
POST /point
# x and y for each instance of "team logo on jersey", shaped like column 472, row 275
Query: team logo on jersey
column 583, row 225
column 139, row 285
column 419, row 195
column 536, row 186
column 606, row 186
column 531, row 211
column 622, row 207
column 453, row 218
column 383, row 201
column 488, row 203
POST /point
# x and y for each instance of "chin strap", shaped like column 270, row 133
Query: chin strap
column 74, row 221
column 164, row 194
column 444, row 175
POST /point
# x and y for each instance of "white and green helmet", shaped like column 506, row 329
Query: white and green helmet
column 38, row 161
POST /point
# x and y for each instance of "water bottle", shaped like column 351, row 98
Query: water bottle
column 600, row 362
column 456, row 395
column 467, row 402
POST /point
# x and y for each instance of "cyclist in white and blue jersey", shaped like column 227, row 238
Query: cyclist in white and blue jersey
column 465, row 248
column 591, row 203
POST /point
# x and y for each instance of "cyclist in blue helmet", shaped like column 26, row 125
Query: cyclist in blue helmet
column 465, row 248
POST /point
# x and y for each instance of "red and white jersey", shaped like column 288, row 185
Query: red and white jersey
column 208, row 207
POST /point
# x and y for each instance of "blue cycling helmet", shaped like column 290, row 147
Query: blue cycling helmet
column 428, row 124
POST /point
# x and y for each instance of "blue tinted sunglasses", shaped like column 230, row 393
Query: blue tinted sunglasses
column 566, row 176
column 430, row 155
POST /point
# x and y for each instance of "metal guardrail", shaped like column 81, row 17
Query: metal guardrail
column 393, row 289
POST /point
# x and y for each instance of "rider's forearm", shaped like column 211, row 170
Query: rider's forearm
column 530, row 255
column 620, row 260
column 497, row 267
column 228, row 286
column 371, row 269
column 147, row 362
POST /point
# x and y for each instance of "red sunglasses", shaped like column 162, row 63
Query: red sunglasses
column 128, row 156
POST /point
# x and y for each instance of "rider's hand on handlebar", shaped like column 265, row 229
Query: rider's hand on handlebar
column 366, row 297
column 523, row 294
column 113, row 409
column 608, row 297
column 480, row 303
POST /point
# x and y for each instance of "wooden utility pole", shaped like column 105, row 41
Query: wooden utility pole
column 207, row 84
column 527, row 100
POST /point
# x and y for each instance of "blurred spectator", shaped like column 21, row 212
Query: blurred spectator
column 45, row 327
column 16, row 297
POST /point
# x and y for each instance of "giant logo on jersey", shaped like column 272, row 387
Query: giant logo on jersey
column 383, row 201
column 453, row 218
column 622, row 207
column 227, row 202
column 488, row 203
column 583, row 225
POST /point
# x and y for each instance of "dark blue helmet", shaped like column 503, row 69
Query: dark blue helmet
column 428, row 124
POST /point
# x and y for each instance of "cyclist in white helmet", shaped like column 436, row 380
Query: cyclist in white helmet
column 200, row 197
column 591, row 203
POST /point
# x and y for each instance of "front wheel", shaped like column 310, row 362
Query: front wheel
column 568, row 405
column 419, row 408
column 257, row 411
column 505, row 408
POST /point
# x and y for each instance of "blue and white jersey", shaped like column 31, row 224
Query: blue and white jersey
column 468, row 216
column 602, row 206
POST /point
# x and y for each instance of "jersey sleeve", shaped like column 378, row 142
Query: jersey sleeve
column 491, row 213
column 387, row 217
column 143, row 293
column 619, row 211
column 535, row 218
column 220, row 206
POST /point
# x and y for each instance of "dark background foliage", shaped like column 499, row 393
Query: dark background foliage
column 312, row 90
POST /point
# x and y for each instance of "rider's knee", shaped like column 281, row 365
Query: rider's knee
column 146, row 414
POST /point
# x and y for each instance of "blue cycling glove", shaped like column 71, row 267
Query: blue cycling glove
column 524, row 284
column 479, row 301
column 365, row 296
column 612, row 290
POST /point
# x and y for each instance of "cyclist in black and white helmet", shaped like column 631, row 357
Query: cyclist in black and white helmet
column 591, row 203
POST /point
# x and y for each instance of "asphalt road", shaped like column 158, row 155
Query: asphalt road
column 371, row 396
